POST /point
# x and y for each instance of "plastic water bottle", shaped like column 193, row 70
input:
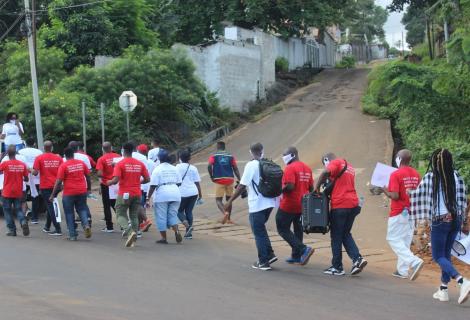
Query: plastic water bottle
column 361, row 201
column 92, row 196
column 199, row 201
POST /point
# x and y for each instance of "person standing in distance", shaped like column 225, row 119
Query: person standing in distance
column 259, row 208
column 344, row 209
column 12, row 131
column 153, row 153
column 400, row 229
column 46, row 166
column 297, row 181
column 30, row 153
column 14, row 173
column 105, row 169
column 129, row 173
column 222, row 168
column 441, row 199
column 75, row 176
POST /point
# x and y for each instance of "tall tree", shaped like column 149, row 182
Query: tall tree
column 414, row 20
column 399, row 5
column 364, row 17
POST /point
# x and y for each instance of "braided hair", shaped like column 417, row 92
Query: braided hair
column 442, row 167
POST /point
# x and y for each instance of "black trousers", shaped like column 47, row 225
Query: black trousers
column 284, row 221
column 107, row 205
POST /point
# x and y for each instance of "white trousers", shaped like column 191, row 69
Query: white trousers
column 399, row 236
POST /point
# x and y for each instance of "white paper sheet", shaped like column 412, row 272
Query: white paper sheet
column 465, row 258
column 113, row 191
column 381, row 175
column 32, row 186
column 58, row 214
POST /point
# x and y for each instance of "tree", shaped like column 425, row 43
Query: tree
column 399, row 5
column 414, row 20
column 366, row 18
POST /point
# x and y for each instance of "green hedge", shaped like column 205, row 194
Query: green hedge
column 429, row 104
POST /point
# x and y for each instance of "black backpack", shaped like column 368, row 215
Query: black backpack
column 270, row 179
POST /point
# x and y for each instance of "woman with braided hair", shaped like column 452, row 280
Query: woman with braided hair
column 441, row 199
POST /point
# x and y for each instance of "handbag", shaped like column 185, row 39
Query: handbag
column 328, row 189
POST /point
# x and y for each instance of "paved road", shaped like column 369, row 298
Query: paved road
column 210, row 277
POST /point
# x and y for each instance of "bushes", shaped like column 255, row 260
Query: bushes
column 347, row 62
column 281, row 64
column 429, row 104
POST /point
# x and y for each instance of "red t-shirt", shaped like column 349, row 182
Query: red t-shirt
column 344, row 194
column 47, row 164
column 14, row 172
column 73, row 173
column 129, row 171
column 105, row 165
column 92, row 162
column 402, row 180
column 300, row 175
column 224, row 181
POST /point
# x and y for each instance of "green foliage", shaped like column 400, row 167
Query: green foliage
column 429, row 104
column 365, row 17
column 347, row 62
column 414, row 20
column 281, row 64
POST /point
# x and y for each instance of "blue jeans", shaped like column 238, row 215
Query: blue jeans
column 185, row 211
column 77, row 202
column 166, row 214
column 341, row 223
column 284, row 221
column 7, row 204
column 443, row 235
column 46, row 194
column 258, row 226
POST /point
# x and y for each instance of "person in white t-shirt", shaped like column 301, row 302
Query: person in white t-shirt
column 141, row 155
column 12, row 131
column 190, row 189
column 153, row 153
column 164, row 181
column 259, row 208
column 30, row 153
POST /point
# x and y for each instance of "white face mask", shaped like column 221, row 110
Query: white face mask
column 13, row 121
column 326, row 162
column 288, row 158
column 398, row 161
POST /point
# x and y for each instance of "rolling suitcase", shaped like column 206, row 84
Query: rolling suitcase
column 315, row 213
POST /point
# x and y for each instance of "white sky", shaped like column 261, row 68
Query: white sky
column 393, row 27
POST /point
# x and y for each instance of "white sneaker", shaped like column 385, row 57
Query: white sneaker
column 464, row 291
column 441, row 295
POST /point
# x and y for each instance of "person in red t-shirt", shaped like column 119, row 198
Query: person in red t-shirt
column 344, row 209
column 75, row 176
column 47, row 165
column 297, row 181
column 130, row 173
column 105, row 169
column 400, row 229
column 14, row 173
column 222, row 168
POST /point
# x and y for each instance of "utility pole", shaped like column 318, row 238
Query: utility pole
column 428, row 33
column 33, row 29
column 34, row 80
column 402, row 45
column 84, row 124
column 446, row 37
column 102, row 121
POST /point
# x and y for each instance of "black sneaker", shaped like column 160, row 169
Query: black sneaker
column 358, row 266
column 25, row 229
column 272, row 258
column 11, row 233
column 261, row 266
column 161, row 241
column 334, row 272
column 55, row 233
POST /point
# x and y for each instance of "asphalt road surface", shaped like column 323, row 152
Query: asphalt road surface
column 211, row 277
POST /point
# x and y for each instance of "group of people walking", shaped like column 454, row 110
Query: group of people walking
column 139, row 178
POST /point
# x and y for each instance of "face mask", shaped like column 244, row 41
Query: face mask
column 288, row 158
column 122, row 152
column 398, row 161
column 326, row 162
column 13, row 121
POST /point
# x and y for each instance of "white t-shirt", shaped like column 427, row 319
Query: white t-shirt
column 12, row 134
column 30, row 154
column 153, row 155
column 166, row 177
column 82, row 157
column 150, row 165
column 256, row 201
column 18, row 157
column 188, row 187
